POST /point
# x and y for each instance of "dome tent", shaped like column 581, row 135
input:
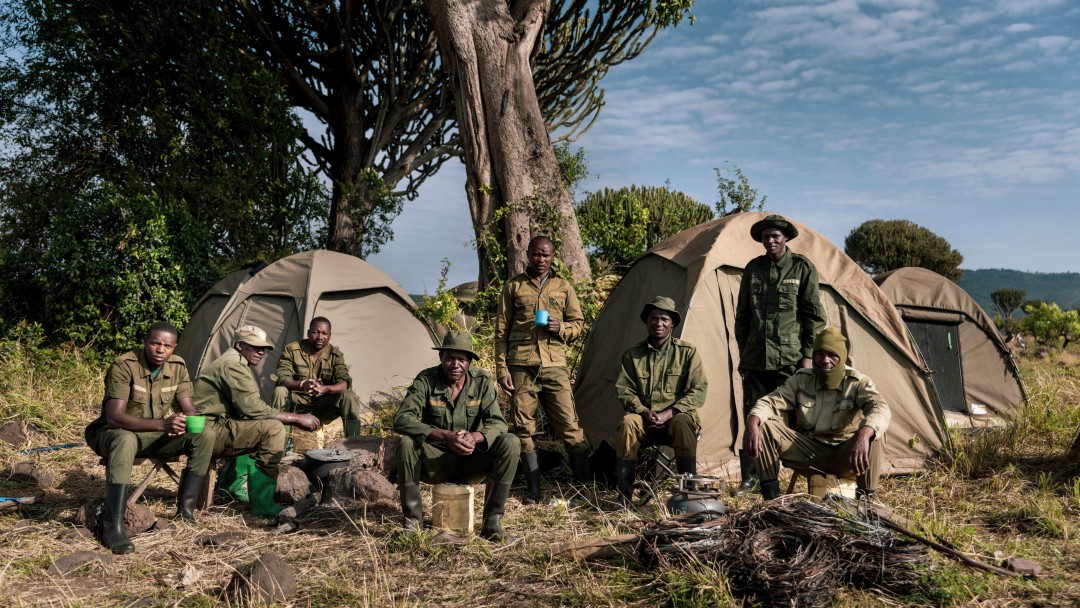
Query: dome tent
column 701, row 268
column 384, row 344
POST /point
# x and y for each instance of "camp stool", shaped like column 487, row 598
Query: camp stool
column 163, row 464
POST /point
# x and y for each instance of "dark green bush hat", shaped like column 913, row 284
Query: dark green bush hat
column 665, row 304
column 774, row 221
column 458, row 340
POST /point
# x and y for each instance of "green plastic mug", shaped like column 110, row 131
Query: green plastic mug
column 196, row 424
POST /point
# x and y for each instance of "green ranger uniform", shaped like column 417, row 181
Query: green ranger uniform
column 777, row 316
column 330, row 368
column 428, row 405
column 658, row 379
column 825, row 425
column 535, row 359
column 152, row 396
column 242, row 422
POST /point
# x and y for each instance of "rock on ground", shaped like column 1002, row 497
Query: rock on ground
column 70, row 563
column 21, row 434
column 358, row 484
column 292, row 485
column 378, row 453
column 29, row 471
column 267, row 579
column 138, row 518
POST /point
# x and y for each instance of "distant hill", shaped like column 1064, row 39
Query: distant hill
column 1062, row 288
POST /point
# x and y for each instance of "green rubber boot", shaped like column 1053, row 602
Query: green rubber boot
column 261, row 489
column 232, row 484
column 352, row 428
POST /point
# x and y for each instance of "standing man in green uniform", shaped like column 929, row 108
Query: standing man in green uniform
column 242, row 422
column 453, row 430
column 661, row 386
column 840, row 422
column 778, row 314
column 312, row 378
column 530, row 360
column 144, row 415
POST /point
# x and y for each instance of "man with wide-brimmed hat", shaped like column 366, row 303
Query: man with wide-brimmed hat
column 452, row 430
column 661, row 386
column 840, row 422
column 778, row 313
column 244, row 425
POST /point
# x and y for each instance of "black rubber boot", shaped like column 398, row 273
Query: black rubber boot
column 532, row 478
column 580, row 468
column 494, row 507
column 686, row 465
column 625, row 470
column 748, row 474
column 190, row 486
column 412, row 507
column 112, row 521
column 770, row 489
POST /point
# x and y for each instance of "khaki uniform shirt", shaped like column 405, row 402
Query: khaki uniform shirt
column 129, row 378
column 296, row 364
column 779, row 312
column 518, row 341
column 830, row 416
column 427, row 406
column 657, row 379
column 226, row 389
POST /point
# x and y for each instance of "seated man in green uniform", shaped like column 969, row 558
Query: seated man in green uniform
column 143, row 414
column 452, row 430
column 242, row 422
column 661, row 386
column 312, row 378
column 840, row 422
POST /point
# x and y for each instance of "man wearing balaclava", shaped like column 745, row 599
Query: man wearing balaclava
column 840, row 422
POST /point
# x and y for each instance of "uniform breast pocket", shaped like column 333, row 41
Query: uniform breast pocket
column 843, row 414
column 788, row 294
column 673, row 380
column 524, row 305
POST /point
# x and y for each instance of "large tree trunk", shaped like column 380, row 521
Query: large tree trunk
column 486, row 47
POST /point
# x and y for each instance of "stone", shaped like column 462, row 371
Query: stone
column 379, row 453
column 352, row 484
column 1022, row 566
column 21, row 434
column 292, row 485
column 29, row 471
column 221, row 539
column 267, row 579
column 138, row 518
column 69, row 563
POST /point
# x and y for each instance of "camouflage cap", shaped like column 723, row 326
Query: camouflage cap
column 252, row 336
column 458, row 340
column 665, row 304
column 774, row 221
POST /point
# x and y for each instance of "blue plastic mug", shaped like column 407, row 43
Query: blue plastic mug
column 541, row 318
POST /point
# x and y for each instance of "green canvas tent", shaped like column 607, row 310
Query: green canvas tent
column 701, row 268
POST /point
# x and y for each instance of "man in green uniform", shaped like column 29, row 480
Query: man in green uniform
column 840, row 422
column 778, row 313
column 661, row 386
column 530, row 360
column 452, row 430
column 242, row 422
column 144, row 415
column 312, row 378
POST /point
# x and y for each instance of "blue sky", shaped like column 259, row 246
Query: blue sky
column 963, row 117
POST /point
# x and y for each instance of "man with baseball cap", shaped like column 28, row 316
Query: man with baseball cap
column 452, row 430
column 840, row 422
column 242, row 422
column 777, row 316
column 661, row 386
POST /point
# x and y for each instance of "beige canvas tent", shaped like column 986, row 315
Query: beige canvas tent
column 973, row 368
column 701, row 268
column 373, row 324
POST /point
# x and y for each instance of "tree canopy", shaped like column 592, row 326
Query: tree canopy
column 882, row 245
column 1006, row 303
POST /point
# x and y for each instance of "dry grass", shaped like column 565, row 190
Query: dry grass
column 1006, row 492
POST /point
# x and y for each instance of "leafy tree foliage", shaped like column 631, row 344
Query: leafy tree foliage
column 735, row 191
column 618, row 226
column 1006, row 303
column 132, row 122
column 882, row 245
column 1049, row 324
